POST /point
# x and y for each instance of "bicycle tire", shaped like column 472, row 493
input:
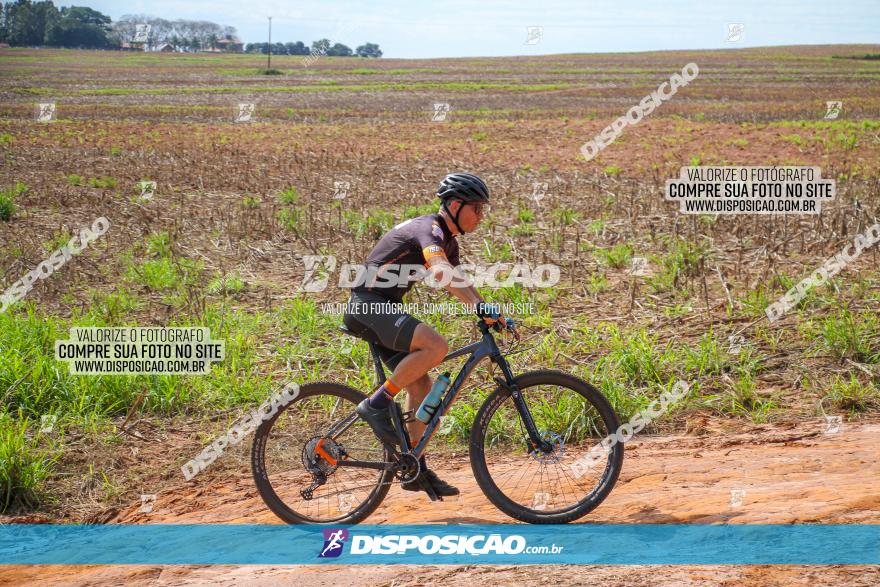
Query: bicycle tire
column 480, row 468
column 261, row 475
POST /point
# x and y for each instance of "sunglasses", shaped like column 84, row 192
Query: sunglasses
column 481, row 209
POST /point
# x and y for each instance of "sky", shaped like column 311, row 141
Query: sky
column 458, row 28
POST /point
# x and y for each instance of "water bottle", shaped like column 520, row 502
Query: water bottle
column 432, row 400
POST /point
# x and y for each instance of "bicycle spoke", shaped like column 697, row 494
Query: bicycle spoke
column 293, row 464
column 540, row 482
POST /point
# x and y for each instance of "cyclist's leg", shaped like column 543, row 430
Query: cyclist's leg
column 415, row 394
column 427, row 349
column 418, row 344
column 415, row 391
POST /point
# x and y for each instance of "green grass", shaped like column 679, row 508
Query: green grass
column 158, row 274
column 24, row 464
column 289, row 196
column 159, row 244
column 612, row 170
column 526, row 215
column 522, row 230
column 8, row 208
column 448, row 86
column 104, row 182
column 228, row 283
column 372, row 224
column 494, row 253
column 682, row 261
column 39, row 385
column 847, row 335
column 618, row 256
column 290, row 218
column 566, row 216
column 250, row 203
column 853, row 396
column 420, row 210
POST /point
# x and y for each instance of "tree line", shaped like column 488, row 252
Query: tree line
column 190, row 35
column 319, row 47
column 25, row 23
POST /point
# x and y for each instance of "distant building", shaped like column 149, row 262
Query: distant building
column 227, row 46
column 165, row 48
column 133, row 46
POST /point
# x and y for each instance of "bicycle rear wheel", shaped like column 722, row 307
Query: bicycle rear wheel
column 285, row 460
column 553, row 488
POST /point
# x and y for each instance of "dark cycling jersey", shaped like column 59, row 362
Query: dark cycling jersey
column 412, row 242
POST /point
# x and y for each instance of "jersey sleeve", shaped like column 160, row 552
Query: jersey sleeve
column 432, row 243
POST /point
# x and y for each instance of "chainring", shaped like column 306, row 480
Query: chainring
column 407, row 468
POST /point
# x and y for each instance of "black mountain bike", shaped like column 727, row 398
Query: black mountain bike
column 316, row 462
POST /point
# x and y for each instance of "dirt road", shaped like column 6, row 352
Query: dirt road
column 780, row 474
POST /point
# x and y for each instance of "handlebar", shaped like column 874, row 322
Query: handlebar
column 509, row 324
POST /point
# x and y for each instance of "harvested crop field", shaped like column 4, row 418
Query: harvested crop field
column 335, row 154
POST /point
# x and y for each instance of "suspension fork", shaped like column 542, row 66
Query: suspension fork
column 519, row 401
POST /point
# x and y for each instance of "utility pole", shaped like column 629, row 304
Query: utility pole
column 269, row 62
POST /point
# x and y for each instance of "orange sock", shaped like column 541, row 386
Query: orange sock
column 384, row 395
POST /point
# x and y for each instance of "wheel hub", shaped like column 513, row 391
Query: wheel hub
column 313, row 461
column 555, row 454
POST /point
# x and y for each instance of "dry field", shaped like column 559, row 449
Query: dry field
column 237, row 205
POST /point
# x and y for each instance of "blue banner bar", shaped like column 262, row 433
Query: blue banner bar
column 629, row 544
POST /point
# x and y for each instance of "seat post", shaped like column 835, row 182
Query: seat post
column 377, row 362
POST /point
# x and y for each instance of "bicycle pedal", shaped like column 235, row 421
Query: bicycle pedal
column 430, row 491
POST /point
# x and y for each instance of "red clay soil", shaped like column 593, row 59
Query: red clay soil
column 790, row 474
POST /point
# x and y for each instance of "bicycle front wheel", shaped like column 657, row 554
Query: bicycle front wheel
column 299, row 485
column 545, row 488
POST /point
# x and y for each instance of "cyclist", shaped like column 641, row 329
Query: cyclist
column 408, row 346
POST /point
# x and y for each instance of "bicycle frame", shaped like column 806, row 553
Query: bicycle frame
column 487, row 347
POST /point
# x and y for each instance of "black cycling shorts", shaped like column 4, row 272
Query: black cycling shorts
column 379, row 320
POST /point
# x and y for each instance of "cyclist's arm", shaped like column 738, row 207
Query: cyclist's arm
column 466, row 294
column 439, row 265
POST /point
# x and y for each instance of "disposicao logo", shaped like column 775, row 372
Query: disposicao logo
column 333, row 541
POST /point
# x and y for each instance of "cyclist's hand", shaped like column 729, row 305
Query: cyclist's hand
column 490, row 313
column 510, row 326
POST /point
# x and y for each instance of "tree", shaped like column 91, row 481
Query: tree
column 79, row 27
column 298, row 48
column 320, row 46
column 339, row 50
column 189, row 35
column 85, row 15
column 68, row 32
column 369, row 50
column 25, row 23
